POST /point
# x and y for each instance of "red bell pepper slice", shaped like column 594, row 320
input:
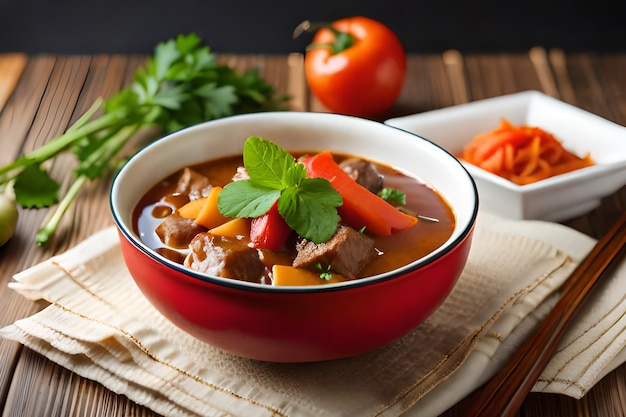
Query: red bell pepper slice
column 269, row 231
column 360, row 208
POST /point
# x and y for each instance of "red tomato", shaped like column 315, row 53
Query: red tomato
column 356, row 66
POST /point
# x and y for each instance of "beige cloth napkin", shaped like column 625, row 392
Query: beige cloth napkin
column 100, row 326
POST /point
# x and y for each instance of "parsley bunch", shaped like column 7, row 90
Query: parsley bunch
column 181, row 84
column 308, row 205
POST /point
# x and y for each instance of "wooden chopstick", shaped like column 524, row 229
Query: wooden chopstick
column 504, row 393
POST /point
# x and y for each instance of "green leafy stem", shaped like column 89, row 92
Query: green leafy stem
column 181, row 84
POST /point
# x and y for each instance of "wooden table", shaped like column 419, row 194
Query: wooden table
column 40, row 96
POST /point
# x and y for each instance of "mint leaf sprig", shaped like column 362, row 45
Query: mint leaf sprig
column 180, row 85
column 308, row 205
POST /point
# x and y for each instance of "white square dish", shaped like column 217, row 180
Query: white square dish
column 553, row 199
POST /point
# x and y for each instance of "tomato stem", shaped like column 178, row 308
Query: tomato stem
column 343, row 40
column 307, row 26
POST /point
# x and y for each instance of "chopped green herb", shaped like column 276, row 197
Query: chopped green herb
column 325, row 274
column 308, row 205
column 393, row 196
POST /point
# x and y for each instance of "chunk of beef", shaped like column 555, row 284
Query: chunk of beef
column 193, row 184
column 364, row 173
column 224, row 257
column 347, row 253
column 177, row 232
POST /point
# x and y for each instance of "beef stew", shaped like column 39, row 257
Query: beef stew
column 349, row 254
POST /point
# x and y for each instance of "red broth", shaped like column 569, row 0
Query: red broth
column 395, row 251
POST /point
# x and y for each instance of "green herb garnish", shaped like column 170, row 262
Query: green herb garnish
column 34, row 187
column 393, row 196
column 308, row 205
column 181, row 84
column 325, row 274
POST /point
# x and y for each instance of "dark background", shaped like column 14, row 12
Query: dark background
column 254, row 26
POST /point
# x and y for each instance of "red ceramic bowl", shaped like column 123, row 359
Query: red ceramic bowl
column 297, row 324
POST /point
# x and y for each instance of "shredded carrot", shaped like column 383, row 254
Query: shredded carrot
column 522, row 154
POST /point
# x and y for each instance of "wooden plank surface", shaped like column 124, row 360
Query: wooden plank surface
column 42, row 95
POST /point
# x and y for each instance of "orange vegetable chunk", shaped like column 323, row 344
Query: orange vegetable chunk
column 238, row 228
column 209, row 216
column 192, row 208
column 360, row 208
column 287, row 275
